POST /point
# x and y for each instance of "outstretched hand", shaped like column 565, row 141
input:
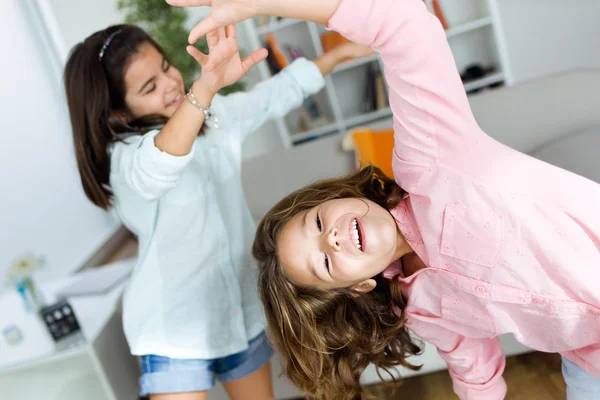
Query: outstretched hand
column 223, row 65
column 223, row 12
column 228, row 12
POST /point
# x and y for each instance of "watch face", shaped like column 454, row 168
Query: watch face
column 60, row 320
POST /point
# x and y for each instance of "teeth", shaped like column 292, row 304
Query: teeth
column 355, row 235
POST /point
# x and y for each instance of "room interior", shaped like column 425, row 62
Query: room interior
column 535, row 89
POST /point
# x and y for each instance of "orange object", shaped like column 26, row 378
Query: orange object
column 374, row 147
column 277, row 51
column 439, row 13
column 330, row 40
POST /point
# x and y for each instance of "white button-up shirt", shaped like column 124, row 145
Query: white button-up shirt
column 193, row 293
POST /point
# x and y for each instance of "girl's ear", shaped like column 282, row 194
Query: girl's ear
column 123, row 116
column 365, row 286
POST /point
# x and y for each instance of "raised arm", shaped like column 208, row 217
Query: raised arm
column 222, row 67
column 152, row 164
column 432, row 117
column 231, row 11
column 277, row 96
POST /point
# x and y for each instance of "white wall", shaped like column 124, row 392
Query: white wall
column 547, row 36
column 43, row 206
column 80, row 18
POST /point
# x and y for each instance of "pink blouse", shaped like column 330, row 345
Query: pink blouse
column 511, row 243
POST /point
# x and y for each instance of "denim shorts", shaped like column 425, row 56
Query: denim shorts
column 581, row 385
column 162, row 375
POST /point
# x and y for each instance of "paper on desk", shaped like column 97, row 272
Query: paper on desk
column 98, row 280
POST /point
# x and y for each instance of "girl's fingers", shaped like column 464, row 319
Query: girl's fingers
column 230, row 31
column 221, row 33
column 189, row 3
column 254, row 58
column 212, row 38
column 200, row 57
column 202, row 28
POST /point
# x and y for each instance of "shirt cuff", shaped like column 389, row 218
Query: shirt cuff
column 495, row 392
column 307, row 74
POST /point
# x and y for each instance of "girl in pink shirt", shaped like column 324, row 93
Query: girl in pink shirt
column 472, row 240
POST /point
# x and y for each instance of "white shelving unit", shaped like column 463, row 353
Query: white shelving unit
column 474, row 34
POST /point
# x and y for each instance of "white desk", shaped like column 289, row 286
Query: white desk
column 98, row 368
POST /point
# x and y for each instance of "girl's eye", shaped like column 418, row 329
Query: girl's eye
column 166, row 65
column 327, row 263
column 319, row 223
column 151, row 89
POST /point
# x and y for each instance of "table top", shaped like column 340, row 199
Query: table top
column 37, row 346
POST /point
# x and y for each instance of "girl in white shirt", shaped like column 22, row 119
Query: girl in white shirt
column 168, row 162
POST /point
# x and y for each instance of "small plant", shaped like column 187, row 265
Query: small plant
column 20, row 276
column 167, row 25
column 23, row 267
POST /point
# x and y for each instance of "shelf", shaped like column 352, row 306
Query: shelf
column 333, row 127
column 356, row 63
column 468, row 27
column 274, row 26
column 314, row 133
column 368, row 117
column 473, row 41
column 483, row 82
column 459, row 12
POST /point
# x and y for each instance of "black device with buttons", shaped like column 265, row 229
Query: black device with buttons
column 60, row 320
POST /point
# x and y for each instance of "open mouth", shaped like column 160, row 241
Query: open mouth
column 356, row 234
column 177, row 100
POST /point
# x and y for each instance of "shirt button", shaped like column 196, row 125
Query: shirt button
column 537, row 301
column 480, row 289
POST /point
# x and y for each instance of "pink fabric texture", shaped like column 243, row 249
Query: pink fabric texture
column 511, row 243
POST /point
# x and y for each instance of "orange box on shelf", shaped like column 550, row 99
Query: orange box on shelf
column 276, row 51
column 372, row 147
column 330, row 40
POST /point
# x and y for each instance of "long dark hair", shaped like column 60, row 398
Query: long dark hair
column 95, row 91
column 328, row 337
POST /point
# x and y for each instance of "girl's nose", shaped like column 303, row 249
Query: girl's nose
column 333, row 240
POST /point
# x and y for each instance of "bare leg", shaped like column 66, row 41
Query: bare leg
column 179, row 396
column 257, row 386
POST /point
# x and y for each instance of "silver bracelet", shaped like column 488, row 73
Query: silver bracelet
column 209, row 113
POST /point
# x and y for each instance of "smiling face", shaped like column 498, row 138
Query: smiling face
column 152, row 85
column 340, row 243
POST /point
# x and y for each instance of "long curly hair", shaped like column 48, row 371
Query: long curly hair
column 328, row 337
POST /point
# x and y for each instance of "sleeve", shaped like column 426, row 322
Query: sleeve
column 432, row 116
column 475, row 365
column 146, row 170
column 272, row 98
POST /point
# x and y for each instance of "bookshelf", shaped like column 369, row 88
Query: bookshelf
column 475, row 35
